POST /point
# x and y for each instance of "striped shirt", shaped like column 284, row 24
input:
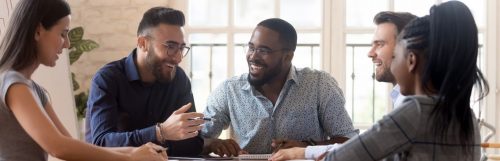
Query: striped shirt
column 406, row 134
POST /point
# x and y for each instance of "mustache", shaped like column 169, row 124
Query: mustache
column 257, row 62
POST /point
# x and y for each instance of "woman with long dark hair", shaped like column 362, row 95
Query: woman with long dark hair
column 29, row 128
column 435, row 66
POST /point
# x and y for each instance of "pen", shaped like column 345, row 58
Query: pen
column 204, row 118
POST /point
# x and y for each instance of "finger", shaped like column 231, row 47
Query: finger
column 230, row 148
column 235, row 146
column 196, row 122
column 243, row 152
column 224, row 151
column 193, row 129
column 164, row 155
column 192, row 116
column 183, row 109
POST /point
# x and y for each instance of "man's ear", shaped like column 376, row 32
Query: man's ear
column 412, row 62
column 289, row 56
column 142, row 43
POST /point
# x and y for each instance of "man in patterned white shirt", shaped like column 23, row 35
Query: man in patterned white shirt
column 275, row 105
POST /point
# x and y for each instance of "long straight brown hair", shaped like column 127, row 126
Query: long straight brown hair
column 18, row 47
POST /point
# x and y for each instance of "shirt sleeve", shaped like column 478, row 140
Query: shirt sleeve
column 103, row 116
column 400, row 126
column 217, row 108
column 332, row 110
column 313, row 152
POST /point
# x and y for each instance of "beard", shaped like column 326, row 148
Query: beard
column 385, row 75
column 155, row 64
column 267, row 76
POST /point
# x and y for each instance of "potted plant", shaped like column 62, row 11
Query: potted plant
column 78, row 46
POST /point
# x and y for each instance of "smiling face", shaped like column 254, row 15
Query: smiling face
column 161, row 64
column 264, row 68
column 51, row 42
column 384, row 41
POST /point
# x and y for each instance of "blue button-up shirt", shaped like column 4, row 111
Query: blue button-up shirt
column 310, row 106
column 123, row 110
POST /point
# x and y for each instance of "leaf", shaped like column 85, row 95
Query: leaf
column 81, row 104
column 75, row 83
column 75, row 34
column 86, row 45
column 74, row 55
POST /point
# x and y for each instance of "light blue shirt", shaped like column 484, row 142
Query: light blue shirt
column 310, row 106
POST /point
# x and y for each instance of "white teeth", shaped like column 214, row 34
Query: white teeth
column 171, row 65
column 256, row 67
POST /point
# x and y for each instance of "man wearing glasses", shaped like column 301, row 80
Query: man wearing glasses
column 275, row 105
column 146, row 97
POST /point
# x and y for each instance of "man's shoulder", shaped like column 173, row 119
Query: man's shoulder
column 309, row 74
column 112, row 69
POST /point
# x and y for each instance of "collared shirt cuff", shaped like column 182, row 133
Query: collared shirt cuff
column 313, row 152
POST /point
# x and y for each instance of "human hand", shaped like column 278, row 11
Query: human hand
column 278, row 144
column 288, row 154
column 150, row 152
column 227, row 147
column 181, row 125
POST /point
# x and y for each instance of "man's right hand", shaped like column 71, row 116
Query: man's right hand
column 227, row 147
column 181, row 125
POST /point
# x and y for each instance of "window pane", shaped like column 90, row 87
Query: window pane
column 308, row 52
column 208, row 13
column 478, row 9
column 418, row 8
column 240, row 60
column 366, row 99
column 302, row 14
column 207, row 71
column 250, row 13
column 359, row 15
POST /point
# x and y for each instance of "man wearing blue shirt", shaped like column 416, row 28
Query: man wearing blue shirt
column 275, row 105
column 146, row 97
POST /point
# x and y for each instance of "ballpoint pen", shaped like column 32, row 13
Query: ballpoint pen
column 204, row 118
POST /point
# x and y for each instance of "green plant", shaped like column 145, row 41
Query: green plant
column 78, row 46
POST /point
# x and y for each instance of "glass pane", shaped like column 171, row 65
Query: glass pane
column 363, row 86
column 359, row 15
column 418, row 8
column 366, row 99
column 207, row 51
column 365, row 39
column 219, row 65
column 250, row 13
column 200, row 79
column 302, row 14
column 208, row 13
column 240, row 60
column 478, row 9
column 207, row 38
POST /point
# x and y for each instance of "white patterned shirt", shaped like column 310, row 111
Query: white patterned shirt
column 310, row 106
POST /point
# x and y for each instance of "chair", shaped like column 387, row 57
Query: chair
column 486, row 144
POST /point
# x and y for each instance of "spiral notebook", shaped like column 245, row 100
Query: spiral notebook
column 253, row 156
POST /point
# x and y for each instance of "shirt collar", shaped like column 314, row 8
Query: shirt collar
column 130, row 67
column 292, row 76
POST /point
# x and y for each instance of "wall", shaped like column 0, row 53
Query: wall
column 111, row 23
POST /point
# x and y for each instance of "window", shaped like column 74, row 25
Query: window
column 366, row 99
column 218, row 30
column 334, row 36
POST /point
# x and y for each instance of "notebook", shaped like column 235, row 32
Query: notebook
column 254, row 156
